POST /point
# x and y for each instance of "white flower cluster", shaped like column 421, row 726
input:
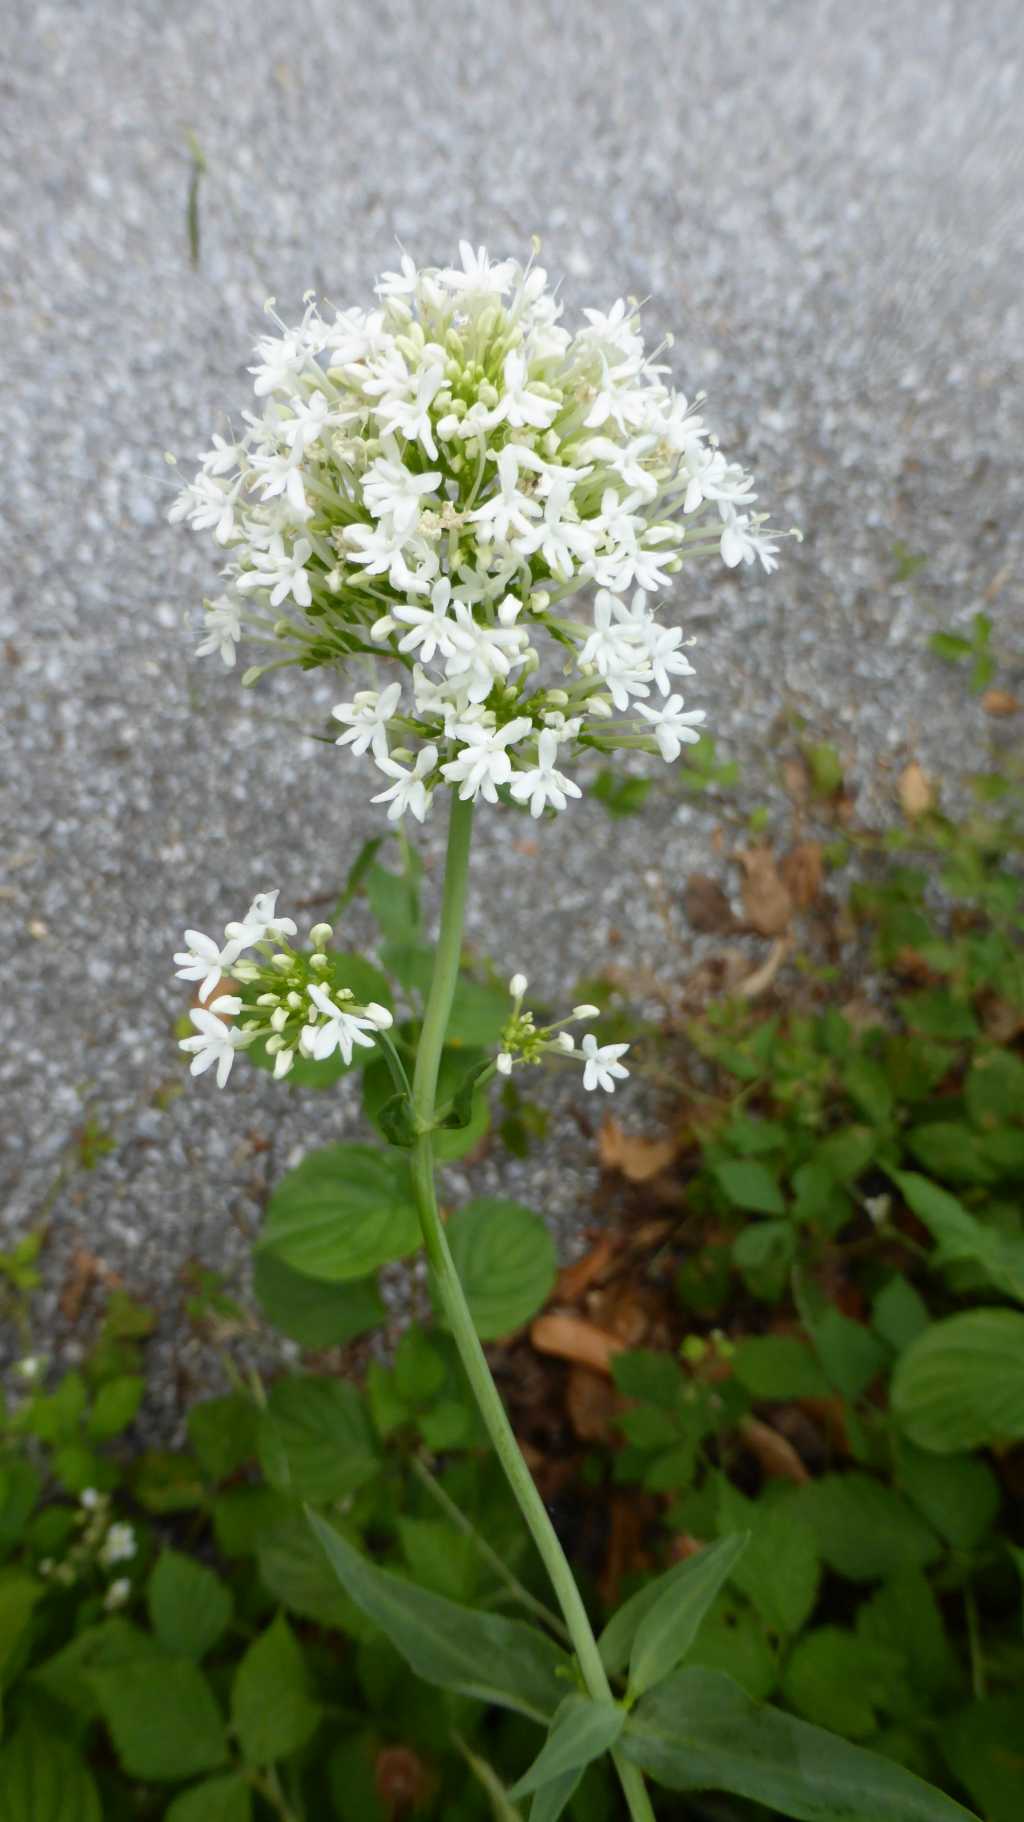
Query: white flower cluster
column 99, row 1543
column 287, row 1003
column 524, row 1042
column 431, row 481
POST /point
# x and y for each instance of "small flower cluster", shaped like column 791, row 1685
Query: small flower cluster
column 430, row 482
column 99, row 1543
column 287, row 1003
column 522, row 1042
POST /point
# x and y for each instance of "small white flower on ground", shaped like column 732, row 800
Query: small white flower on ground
column 117, row 1595
column 204, row 961
column 343, row 1030
column 601, row 1063
column 671, row 727
column 542, row 784
column 214, row 1042
column 409, row 791
column 90, row 1499
column 368, row 714
column 118, row 1546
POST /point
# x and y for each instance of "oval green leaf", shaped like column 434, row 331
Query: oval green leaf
column 505, row 1258
column 960, row 1385
column 345, row 1210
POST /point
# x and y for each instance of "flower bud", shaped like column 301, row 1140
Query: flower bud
column 380, row 1016
column 279, row 1019
column 282, row 963
column 320, row 935
column 586, row 1012
column 517, row 986
column 503, row 1063
column 320, row 963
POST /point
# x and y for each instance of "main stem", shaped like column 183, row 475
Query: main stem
column 456, row 1309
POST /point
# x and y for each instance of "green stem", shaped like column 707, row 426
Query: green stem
column 453, row 1301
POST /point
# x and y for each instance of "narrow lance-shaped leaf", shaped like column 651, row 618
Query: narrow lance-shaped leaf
column 477, row 1654
column 667, row 1631
column 616, row 1641
column 581, row 1731
column 700, row 1731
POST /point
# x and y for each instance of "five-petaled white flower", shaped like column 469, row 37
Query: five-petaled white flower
column 483, row 762
column 601, row 1063
column 542, row 784
column 368, row 714
column 342, row 1030
column 671, row 727
column 215, row 1042
column 261, row 922
column 205, row 961
column 410, row 790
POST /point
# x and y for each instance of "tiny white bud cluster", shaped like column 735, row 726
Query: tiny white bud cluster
column 523, row 1041
column 286, row 1002
column 430, row 482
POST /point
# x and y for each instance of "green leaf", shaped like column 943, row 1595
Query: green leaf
column 666, row 1632
column 368, row 984
column 394, row 901
column 343, row 1212
column 863, row 1529
column 936, row 1014
column 826, row 769
column 731, row 1641
column 478, row 1016
column 764, row 1252
column 215, row 1800
column 868, row 1087
column 315, row 1314
column 163, row 1718
column 396, row 1121
column 440, row 1558
column 899, row 1314
column 950, row 646
column 550, row 1803
column 477, row 1654
column 698, row 1731
column 115, row 1406
column 994, row 1088
column 222, row 1432
column 958, row 1494
column 505, row 1258
column 960, row 1236
column 655, row 1378
column 616, row 1641
column 750, row 1185
column 315, row 1440
column 777, row 1367
column 272, row 1711
column 294, row 1570
column 838, row 1680
column 984, row 1748
column 581, row 1731
column 850, row 1354
column 449, row 1143
column 42, row 1779
column 961, row 1384
column 189, row 1606
column 780, row 1570
column 19, row 1595
column 905, row 1615
column 419, row 1368
column 620, row 796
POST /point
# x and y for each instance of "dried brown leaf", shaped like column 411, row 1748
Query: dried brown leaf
column 802, row 872
column 575, row 1280
column 591, row 1401
column 761, row 978
column 1000, row 702
column 766, row 900
column 777, row 1457
column 638, row 1159
column 917, row 793
column 571, row 1338
column 706, row 906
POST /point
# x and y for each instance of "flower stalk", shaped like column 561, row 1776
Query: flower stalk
column 453, row 1300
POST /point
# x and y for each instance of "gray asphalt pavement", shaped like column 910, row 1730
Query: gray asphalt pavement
column 823, row 202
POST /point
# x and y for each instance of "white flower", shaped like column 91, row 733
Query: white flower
column 90, row 1499
column 215, row 1042
column 342, row 1031
column 222, row 629
column 411, row 415
column 117, row 1595
column 484, row 762
column 282, row 571
column 479, row 278
column 204, row 961
column 430, row 628
column 601, row 1063
column 518, row 404
column 542, row 784
column 261, row 922
column 618, row 650
column 742, row 542
column 118, row 1546
column 671, row 727
column 392, row 491
column 409, row 792
column 208, row 505
column 368, row 713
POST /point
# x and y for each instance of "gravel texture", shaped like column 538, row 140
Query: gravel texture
column 826, row 207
